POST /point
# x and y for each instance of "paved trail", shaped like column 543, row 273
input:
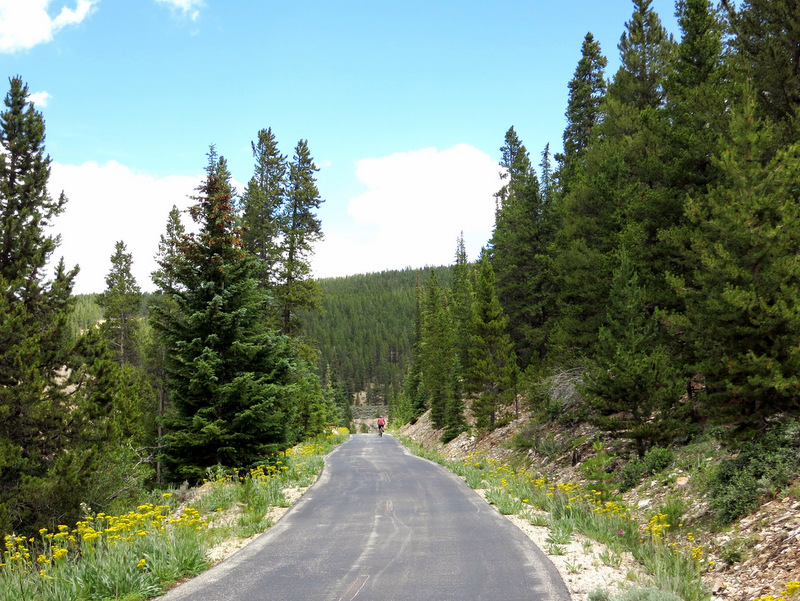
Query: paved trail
column 382, row 524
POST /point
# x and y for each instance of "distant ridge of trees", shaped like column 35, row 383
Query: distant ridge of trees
column 365, row 328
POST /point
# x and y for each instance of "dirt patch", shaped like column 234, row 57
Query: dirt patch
column 229, row 546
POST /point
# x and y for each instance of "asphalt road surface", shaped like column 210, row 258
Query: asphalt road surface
column 382, row 524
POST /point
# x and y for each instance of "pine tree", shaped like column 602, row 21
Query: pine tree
column 413, row 387
column 45, row 454
column 669, row 150
column 586, row 92
column 120, row 399
column 631, row 385
column 549, row 185
column 120, row 302
column 231, row 380
column 297, row 290
column 766, row 41
column 90, row 414
column 336, row 392
column 698, row 90
column 618, row 198
column 165, row 278
column 691, row 131
column 438, row 357
column 523, row 233
column 133, row 403
column 461, row 311
column 698, row 59
column 645, row 53
column 492, row 373
column 314, row 409
column 516, row 166
column 742, row 299
column 262, row 204
column 454, row 420
column 167, row 254
column 462, row 304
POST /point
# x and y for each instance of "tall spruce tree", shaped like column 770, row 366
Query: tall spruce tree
column 523, row 233
column 134, row 399
column 438, row 355
column 168, row 252
column 461, row 309
column 698, row 90
column 618, row 199
column 121, row 302
column 463, row 303
column 167, row 257
column 230, row 379
column 635, row 102
column 119, row 403
column 645, row 54
column 262, row 205
column 692, row 129
column 631, row 384
column 766, row 41
column 742, row 297
column 47, row 451
column 336, row 392
column 516, row 166
column 302, row 229
column 586, row 92
column 414, row 401
column 549, row 184
column 492, row 372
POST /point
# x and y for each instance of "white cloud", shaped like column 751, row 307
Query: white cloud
column 39, row 98
column 107, row 203
column 416, row 205
column 189, row 8
column 26, row 23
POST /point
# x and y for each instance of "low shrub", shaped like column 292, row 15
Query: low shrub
column 634, row 594
column 646, row 594
column 762, row 469
column 655, row 460
column 599, row 471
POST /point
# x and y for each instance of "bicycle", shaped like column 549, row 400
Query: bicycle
column 380, row 430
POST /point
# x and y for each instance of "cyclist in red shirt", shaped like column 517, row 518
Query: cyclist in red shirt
column 381, row 424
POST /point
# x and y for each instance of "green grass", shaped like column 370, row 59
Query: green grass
column 138, row 554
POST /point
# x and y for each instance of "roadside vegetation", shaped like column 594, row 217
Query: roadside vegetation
column 138, row 554
column 662, row 545
column 669, row 539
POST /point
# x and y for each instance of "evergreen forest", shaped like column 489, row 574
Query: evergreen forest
column 653, row 263
column 106, row 396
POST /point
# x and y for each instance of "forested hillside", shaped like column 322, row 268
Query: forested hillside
column 654, row 260
column 365, row 328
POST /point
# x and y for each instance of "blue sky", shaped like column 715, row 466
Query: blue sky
column 404, row 106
